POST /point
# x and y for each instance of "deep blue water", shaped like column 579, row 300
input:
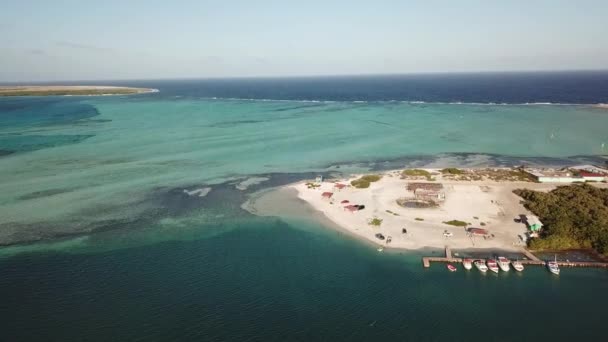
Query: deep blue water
column 581, row 87
column 266, row 281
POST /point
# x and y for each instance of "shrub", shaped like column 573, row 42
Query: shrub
column 452, row 171
column 365, row 181
column 375, row 222
column 456, row 223
column 416, row 173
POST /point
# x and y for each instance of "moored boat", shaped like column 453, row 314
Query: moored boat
column 492, row 265
column 553, row 266
column 481, row 266
column 467, row 263
column 517, row 265
column 503, row 263
column 452, row 268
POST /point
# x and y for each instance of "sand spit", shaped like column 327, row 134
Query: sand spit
column 482, row 204
column 60, row 90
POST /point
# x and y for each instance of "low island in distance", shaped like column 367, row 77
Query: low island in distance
column 70, row 90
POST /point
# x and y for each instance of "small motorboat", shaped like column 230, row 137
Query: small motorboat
column 467, row 263
column 553, row 266
column 503, row 263
column 452, row 268
column 517, row 265
column 481, row 266
column 492, row 265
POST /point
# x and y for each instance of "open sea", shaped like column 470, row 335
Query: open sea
column 121, row 217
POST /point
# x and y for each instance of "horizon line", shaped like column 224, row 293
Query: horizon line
column 421, row 73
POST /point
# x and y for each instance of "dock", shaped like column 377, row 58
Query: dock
column 530, row 256
column 532, row 260
column 426, row 261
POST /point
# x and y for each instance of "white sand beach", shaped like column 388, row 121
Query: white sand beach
column 489, row 205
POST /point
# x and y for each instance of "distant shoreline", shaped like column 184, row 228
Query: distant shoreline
column 71, row 90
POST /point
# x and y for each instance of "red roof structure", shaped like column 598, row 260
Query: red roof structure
column 327, row 194
column 345, row 201
column 590, row 174
column 351, row 208
column 478, row 231
column 339, row 186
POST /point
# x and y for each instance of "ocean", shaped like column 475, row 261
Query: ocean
column 122, row 217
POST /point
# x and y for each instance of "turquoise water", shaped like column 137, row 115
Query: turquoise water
column 136, row 149
column 102, row 242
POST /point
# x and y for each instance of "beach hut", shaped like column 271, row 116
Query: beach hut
column 533, row 223
column 339, row 186
column 352, row 208
column 478, row 232
column 327, row 195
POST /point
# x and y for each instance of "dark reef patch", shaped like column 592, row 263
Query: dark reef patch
column 43, row 193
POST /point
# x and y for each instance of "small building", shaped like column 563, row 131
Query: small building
column 339, row 186
column 426, row 186
column 327, row 194
column 592, row 176
column 319, row 179
column 351, row 208
column 533, row 223
column 429, row 195
column 478, row 232
column 554, row 176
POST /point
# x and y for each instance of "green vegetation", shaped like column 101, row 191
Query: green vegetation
column 365, row 181
column 59, row 92
column 456, row 223
column 419, row 219
column 416, row 173
column 574, row 216
column 310, row 185
column 375, row 222
column 452, row 171
column 475, row 217
column 482, row 224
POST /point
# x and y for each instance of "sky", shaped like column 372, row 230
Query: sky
column 117, row 39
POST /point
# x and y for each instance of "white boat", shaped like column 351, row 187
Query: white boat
column 380, row 249
column 553, row 266
column 481, row 266
column 517, row 265
column 492, row 265
column 467, row 263
column 503, row 263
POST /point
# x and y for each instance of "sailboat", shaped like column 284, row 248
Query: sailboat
column 553, row 266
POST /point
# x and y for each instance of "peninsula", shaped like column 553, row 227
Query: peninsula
column 76, row 90
column 412, row 209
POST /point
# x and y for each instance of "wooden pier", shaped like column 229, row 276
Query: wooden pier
column 426, row 261
column 530, row 256
column 532, row 260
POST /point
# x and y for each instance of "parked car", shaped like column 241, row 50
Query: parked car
column 380, row 236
